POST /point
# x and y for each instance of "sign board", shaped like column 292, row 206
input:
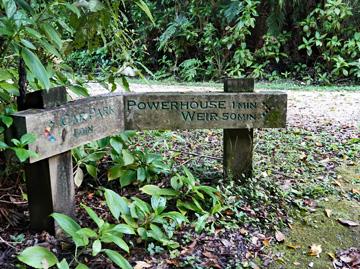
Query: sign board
column 62, row 128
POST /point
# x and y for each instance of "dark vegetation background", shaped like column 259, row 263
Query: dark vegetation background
column 310, row 41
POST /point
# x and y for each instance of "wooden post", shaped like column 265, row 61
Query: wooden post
column 49, row 182
column 238, row 143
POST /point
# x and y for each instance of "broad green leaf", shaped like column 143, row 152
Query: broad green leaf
column 53, row 35
column 11, row 88
column 96, row 247
column 118, row 259
column 7, row 120
column 146, row 9
column 73, row 9
column 81, row 266
column 21, row 153
column 3, row 145
column 125, row 83
column 28, row 44
column 36, row 67
column 5, row 75
column 127, row 177
column 27, row 139
column 66, row 223
column 116, row 204
column 123, row 228
column 63, row 264
column 10, row 7
column 87, row 232
column 201, row 222
column 16, row 142
column 128, row 157
column 142, row 205
column 79, row 90
column 184, row 206
column 155, row 190
column 190, row 177
column 116, row 144
column 32, row 32
column 91, row 170
column 118, row 241
column 115, row 172
column 156, row 232
column 175, row 216
column 158, row 203
column 37, row 257
column 141, row 173
column 24, row 5
column 96, row 156
column 176, row 183
column 99, row 222
column 79, row 177
column 142, row 233
column 50, row 48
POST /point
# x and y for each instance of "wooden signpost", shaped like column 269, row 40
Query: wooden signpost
column 59, row 129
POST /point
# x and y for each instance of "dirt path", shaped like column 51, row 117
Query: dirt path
column 340, row 108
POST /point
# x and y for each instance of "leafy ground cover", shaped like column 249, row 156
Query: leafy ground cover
column 302, row 201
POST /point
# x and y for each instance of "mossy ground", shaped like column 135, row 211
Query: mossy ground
column 318, row 228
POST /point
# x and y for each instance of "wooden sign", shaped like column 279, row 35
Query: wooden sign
column 63, row 128
column 60, row 128
column 176, row 111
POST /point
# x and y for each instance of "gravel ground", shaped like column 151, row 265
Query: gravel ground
column 340, row 108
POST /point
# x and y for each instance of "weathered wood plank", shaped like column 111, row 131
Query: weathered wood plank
column 63, row 128
column 82, row 121
column 49, row 182
column 238, row 143
column 204, row 110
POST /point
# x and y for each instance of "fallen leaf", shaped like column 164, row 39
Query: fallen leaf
column 331, row 255
column 297, row 263
column 315, row 250
column 337, row 183
column 319, row 144
column 189, row 249
column 355, row 191
column 346, row 259
column 328, row 212
column 79, row 177
column 302, row 156
column 226, row 243
column 279, row 236
column 293, row 246
column 311, row 265
column 209, row 255
column 141, row 265
column 173, row 262
column 254, row 240
column 348, row 222
column 244, row 231
column 266, row 242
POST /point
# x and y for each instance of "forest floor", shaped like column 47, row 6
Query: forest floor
column 300, row 210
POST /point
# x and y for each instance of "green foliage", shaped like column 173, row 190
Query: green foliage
column 38, row 257
column 46, row 35
column 336, row 44
column 135, row 165
column 190, row 196
column 198, row 40
column 149, row 220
